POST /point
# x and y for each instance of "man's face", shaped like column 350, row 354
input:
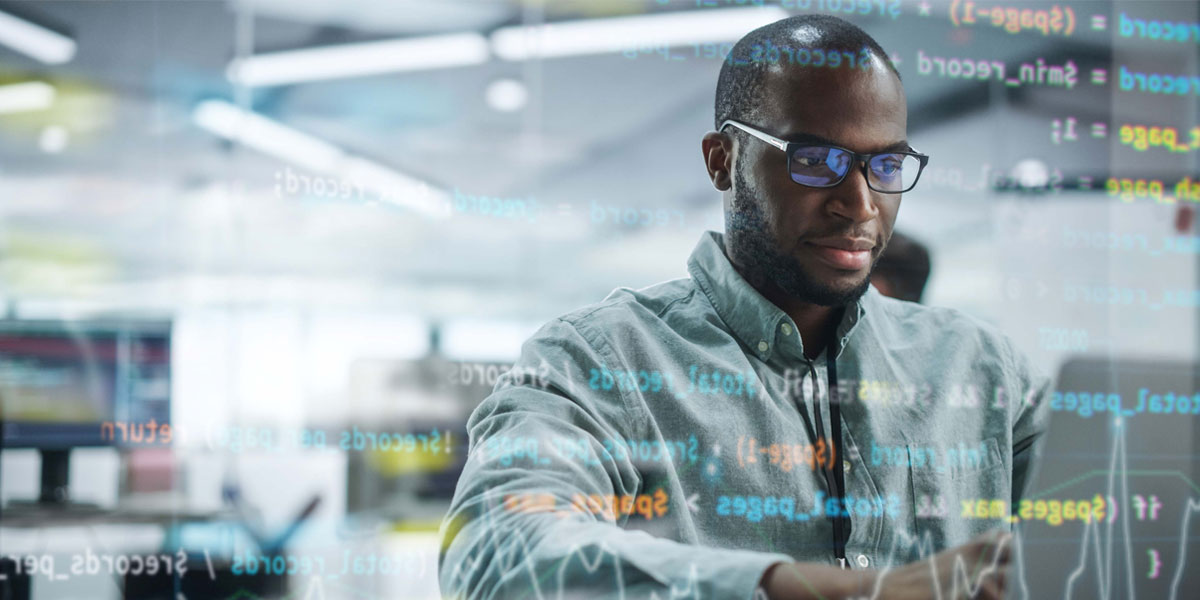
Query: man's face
column 817, row 245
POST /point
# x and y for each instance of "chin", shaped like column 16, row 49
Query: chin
column 850, row 293
column 825, row 291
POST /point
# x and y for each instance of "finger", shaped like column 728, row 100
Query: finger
column 1004, row 548
column 1001, row 537
column 987, row 539
column 1001, row 576
column 990, row 551
column 995, row 589
column 985, row 587
column 996, row 543
column 987, row 575
column 986, row 591
column 1000, row 581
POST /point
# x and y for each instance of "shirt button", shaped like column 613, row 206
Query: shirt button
column 862, row 560
column 762, row 346
column 787, row 329
column 846, row 466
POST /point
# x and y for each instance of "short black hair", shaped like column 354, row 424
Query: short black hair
column 740, row 83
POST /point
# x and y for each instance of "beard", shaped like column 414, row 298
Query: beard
column 753, row 248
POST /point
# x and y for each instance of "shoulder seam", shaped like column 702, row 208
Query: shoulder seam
column 576, row 317
column 682, row 298
column 603, row 349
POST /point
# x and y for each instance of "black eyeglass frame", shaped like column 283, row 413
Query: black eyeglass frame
column 862, row 159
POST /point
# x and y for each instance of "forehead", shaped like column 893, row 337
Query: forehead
column 862, row 110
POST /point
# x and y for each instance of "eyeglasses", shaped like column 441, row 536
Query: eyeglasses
column 826, row 165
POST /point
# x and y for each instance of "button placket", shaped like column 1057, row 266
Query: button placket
column 868, row 530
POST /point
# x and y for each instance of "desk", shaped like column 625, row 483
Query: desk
column 34, row 516
column 87, row 552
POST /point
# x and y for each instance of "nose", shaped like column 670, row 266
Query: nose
column 852, row 199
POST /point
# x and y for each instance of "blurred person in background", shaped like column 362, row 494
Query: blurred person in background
column 683, row 442
column 903, row 270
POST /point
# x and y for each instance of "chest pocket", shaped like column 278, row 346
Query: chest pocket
column 963, row 493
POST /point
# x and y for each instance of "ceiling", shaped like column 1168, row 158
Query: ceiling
column 143, row 210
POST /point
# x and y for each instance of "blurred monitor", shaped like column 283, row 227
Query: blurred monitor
column 1111, row 511
column 399, row 408
column 66, row 384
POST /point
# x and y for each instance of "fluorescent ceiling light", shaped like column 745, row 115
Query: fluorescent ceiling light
column 352, row 60
column 43, row 44
column 266, row 136
column 600, row 36
column 278, row 140
column 23, row 97
column 484, row 340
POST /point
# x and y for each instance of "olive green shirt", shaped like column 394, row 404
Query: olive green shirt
column 657, row 444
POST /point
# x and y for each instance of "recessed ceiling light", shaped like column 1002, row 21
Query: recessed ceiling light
column 53, row 139
column 1031, row 174
column 507, row 95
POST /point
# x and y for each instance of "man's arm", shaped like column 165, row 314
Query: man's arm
column 1032, row 416
column 540, row 544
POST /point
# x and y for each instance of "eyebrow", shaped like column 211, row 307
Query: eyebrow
column 810, row 138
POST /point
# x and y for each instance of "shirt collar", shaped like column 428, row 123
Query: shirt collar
column 763, row 327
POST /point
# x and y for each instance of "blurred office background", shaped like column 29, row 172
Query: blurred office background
column 283, row 225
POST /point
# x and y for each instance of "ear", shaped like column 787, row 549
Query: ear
column 718, row 159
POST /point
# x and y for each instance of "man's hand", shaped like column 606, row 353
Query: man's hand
column 977, row 569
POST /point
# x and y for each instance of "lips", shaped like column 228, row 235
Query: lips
column 849, row 254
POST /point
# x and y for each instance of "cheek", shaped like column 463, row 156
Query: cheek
column 768, row 184
column 800, row 213
column 887, row 218
column 769, row 169
column 888, row 209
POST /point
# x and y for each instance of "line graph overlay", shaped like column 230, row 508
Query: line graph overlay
column 1097, row 539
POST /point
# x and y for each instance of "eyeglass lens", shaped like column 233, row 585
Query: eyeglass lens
column 822, row 166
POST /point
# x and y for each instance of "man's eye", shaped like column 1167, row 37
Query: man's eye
column 889, row 166
column 811, row 156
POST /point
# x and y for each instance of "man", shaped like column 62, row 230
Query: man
column 682, row 442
